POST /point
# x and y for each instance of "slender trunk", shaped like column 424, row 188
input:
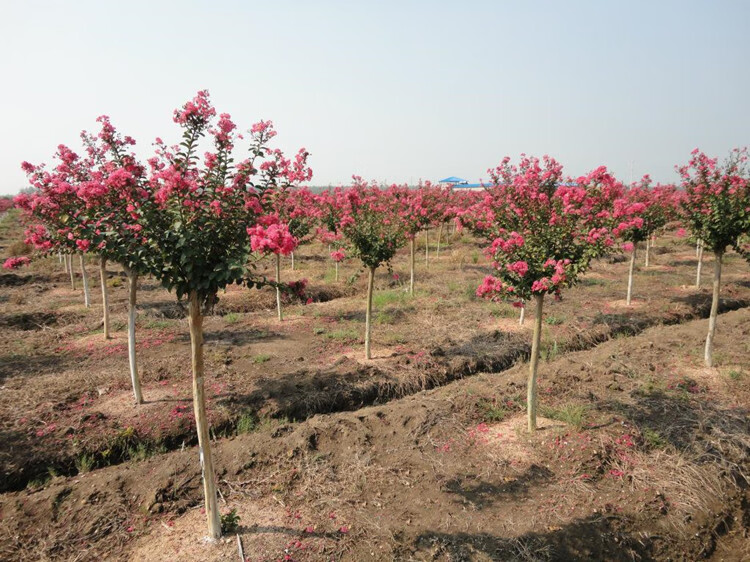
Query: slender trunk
column 368, row 313
column 412, row 244
column 648, row 251
column 336, row 266
column 105, row 296
column 85, row 279
column 440, row 235
column 61, row 259
column 201, row 422
column 708, row 356
column 630, row 272
column 426, row 247
column 69, row 266
column 700, row 266
column 134, row 377
column 522, row 316
column 278, row 290
column 531, row 390
column 292, row 261
column 697, row 248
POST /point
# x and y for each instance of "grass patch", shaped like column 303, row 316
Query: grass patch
column 152, row 324
column 232, row 318
column 383, row 298
column 262, row 358
column 549, row 352
column 343, row 335
column 736, row 374
column 143, row 450
column 503, row 311
column 85, row 462
column 247, row 423
column 553, row 320
column 491, row 411
column 593, row 282
column 571, row 414
column 653, row 438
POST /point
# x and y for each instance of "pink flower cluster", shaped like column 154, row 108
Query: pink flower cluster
column 15, row 263
column 199, row 109
column 492, row 287
column 338, row 255
column 273, row 239
column 520, row 268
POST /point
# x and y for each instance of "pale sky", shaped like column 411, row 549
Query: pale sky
column 391, row 91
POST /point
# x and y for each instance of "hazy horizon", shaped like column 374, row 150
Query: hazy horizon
column 395, row 92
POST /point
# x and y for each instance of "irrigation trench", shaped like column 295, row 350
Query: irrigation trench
column 444, row 367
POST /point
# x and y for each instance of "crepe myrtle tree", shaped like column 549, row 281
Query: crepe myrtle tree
column 53, row 211
column 200, row 230
column 273, row 239
column 414, row 215
column 294, row 207
column 549, row 235
column 660, row 207
column 118, row 200
column 329, row 216
column 716, row 210
column 373, row 232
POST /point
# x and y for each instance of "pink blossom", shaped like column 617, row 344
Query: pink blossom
column 519, row 267
column 15, row 263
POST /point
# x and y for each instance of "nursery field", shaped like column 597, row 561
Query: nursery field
column 419, row 453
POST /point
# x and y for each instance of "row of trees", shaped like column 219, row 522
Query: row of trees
column 198, row 223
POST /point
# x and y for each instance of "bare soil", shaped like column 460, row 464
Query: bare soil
column 418, row 454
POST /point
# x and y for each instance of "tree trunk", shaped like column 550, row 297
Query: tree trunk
column 426, row 247
column 105, row 296
column 292, row 261
column 134, row 377
column 531, row 390
column 336, row 266
column 630, row 272
column 700, row 266
column 69, row 266
column 368, row 313
column 648, row 250
column 708, row 356
column 85, row 279
column 697, row 248
column 201, row 422
column 440, row 235
column 412, row 244
column 278, row 290
column 522, row 316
